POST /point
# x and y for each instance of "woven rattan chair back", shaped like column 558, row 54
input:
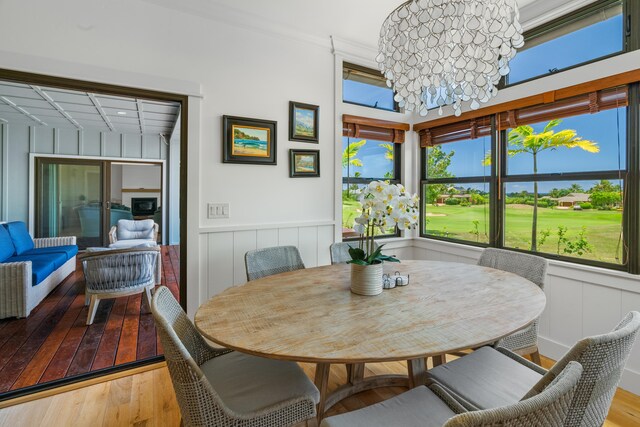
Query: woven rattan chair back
column 548, row 408
column 603, row 358
column 532, row 268
column 184, row 351
column 120, row 270
column 268, row 261
column 340, row 251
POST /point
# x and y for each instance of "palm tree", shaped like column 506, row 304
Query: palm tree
column 349, row 154
column 388, row 154
column 349, row 157
column 523, row 139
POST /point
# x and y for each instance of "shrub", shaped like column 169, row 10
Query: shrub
column 586, row 205
column 451, row 201
column 465, row 203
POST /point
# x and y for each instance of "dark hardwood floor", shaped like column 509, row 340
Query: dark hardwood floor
column 54, row 342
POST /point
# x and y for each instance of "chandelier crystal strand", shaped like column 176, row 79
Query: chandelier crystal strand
column 448, row 51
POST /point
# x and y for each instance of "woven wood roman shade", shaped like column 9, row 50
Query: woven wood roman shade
column 587, row 103
column 379, row 130
column 459, row 131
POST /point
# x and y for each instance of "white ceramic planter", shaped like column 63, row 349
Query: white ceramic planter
column 366, row 279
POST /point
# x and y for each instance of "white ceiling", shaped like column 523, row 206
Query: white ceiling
column 61, row 108
column 356, row 21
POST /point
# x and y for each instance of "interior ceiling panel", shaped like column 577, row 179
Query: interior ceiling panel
column 43, row 106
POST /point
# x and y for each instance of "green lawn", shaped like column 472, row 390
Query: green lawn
column 602, row 227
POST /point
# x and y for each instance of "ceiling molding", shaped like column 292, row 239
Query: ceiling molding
column 104, row 116
column 21, row 110
column 241, row 19
column 355, row 52
column 55, row 105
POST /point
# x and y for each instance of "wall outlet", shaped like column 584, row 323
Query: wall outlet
column 217, row 210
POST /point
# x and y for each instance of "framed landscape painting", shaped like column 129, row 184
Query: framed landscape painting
column 303, row 122
column 247, row 140
column 304, row 163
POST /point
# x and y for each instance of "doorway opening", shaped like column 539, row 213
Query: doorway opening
column 80, row 158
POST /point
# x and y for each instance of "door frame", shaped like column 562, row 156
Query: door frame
column 111, row 89
column 35, row 160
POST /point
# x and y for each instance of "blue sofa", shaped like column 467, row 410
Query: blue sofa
column 31, row 268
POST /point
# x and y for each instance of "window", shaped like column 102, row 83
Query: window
column 366, row 87
column 549, row 178
column 370, row 152
column 592, row 33
column 456, row 178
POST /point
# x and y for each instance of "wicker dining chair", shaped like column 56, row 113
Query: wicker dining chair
column 118, row 273
column 432, row 406
column 531, row 267
column 220, row 387
column 493, row 377
column 340, row 251
column 268, row 261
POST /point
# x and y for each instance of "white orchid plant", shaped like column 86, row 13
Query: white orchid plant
column 384, row 205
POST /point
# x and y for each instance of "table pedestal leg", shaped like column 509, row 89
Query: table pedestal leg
column 417, row 372
column 355, row 372
column 322, row 381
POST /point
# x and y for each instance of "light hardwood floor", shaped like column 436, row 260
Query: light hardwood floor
column 147, row 399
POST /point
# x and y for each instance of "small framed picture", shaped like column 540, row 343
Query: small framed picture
column 247, row 140
column 304, row 163
column 303, row 122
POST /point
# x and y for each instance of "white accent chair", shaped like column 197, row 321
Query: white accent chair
column 131, row 233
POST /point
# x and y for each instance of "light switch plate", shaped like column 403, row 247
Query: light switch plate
column 217, row 210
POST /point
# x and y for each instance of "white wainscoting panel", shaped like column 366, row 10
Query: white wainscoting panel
column 223, row 251
column 581, row 301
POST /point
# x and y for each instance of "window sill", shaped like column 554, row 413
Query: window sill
column 576, row 272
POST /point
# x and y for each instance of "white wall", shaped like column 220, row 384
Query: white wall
column 172, row 206
column 19, row 140
column 145, row 177
column 116, row 183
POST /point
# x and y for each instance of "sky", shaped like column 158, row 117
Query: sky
column 606, row 128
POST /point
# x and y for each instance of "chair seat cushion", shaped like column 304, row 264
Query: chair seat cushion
column 22, row 240
column 486, row 378
column 132, row 243
column 68, row 250
column 6, row 244
column 247, row 384
column 418, row 407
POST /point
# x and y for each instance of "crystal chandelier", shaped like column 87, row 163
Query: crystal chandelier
column 443, row 52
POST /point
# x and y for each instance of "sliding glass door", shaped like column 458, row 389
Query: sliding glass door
column 70, row 200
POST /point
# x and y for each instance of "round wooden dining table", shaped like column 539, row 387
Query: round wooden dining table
column 310, row 315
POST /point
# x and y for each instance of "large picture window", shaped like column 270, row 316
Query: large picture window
column 370, row 152
column 549, row 179
column 592, row 33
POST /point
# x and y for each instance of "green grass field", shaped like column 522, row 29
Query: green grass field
column 602, row 227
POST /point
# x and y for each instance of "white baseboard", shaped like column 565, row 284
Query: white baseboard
column 630, row 380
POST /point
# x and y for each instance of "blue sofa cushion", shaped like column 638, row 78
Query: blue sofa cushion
column 6, row 244
column 20, row 236
column 69, row 250
column 41, row 266
column 56, row 259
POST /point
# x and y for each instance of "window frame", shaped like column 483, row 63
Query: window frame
column 397, row 169
column 630, row 35
column 375, row 74
column 498, row 179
